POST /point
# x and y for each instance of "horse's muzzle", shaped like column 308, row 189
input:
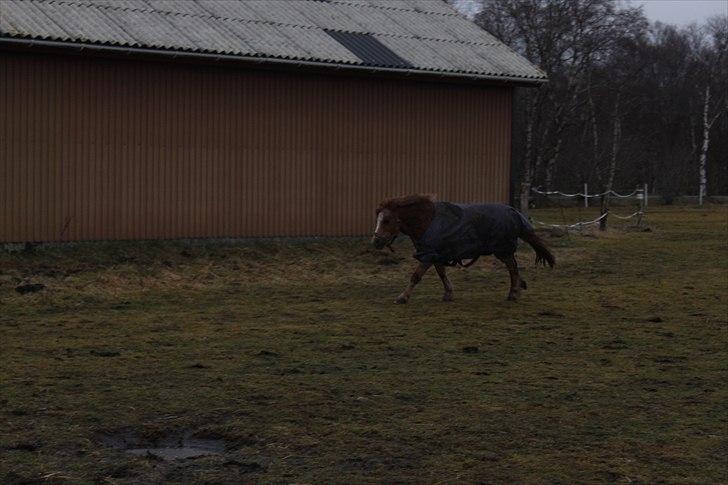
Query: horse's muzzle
column 379, row 242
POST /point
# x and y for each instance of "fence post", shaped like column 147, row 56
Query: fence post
column 642, row 197
column 645, row 200
column 586, row 195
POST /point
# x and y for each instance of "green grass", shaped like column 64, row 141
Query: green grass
column 612, row 367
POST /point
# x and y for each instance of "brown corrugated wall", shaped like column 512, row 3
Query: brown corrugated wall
column 94, row 149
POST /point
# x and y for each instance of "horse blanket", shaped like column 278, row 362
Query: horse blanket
column 466, row 231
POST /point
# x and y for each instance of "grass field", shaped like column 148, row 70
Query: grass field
column 612, row 367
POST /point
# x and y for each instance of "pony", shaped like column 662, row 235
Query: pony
column 446, row 234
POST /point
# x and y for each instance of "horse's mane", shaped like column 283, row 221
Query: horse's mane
column 407, row 200
column 415, row 212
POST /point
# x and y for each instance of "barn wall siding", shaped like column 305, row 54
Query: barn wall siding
column 92, row 149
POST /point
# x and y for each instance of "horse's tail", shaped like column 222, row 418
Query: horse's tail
column 543, row 254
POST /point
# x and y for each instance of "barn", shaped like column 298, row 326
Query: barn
column 163, row 119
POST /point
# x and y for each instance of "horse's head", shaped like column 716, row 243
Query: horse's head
column 387, row 228
column 410, row 215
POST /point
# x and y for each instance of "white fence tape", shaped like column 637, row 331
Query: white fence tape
column 564, row 194
column 587, row 223
column 638, row 213
column 639, row 193
column 571, row 226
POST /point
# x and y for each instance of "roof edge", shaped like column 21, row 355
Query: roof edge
column 31, row 45
column 513, row 51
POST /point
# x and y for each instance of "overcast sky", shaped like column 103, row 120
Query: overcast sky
column 681, row 12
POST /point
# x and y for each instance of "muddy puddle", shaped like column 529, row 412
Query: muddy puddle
column 177, row 445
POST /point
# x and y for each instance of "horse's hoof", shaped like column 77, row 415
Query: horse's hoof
column 524, row 286
column 512, row 297
column 400, row 301
column 448, row 297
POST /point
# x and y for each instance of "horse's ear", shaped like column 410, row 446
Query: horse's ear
column 376, row 212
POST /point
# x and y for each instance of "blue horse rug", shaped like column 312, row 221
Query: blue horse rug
column 466, row 231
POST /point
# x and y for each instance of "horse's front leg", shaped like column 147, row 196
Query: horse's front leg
column 414, row 279
column 441, row 272
column 516, row 282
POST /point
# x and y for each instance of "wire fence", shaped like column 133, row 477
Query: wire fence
column 639, row 193
column 586, row 195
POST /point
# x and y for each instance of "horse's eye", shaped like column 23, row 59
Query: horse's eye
column 385, row 220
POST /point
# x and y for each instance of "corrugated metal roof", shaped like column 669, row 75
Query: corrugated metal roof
column 427, row 35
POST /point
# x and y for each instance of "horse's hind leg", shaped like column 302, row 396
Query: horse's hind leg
column 516, row 282
column 442, row 273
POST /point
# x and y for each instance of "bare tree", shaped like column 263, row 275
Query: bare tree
column 616, row 139
column 627, row 102
column 566, row 38
column 713, row 60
